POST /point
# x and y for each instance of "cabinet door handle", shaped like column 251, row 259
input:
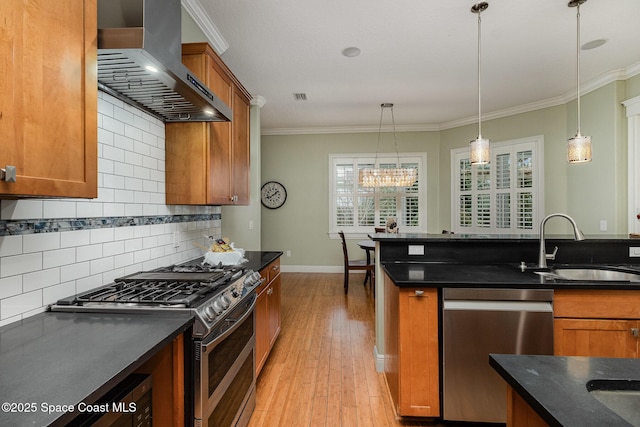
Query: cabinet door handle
column 8, row 174
column 275, row 268
column 419, row 292
column 269, row 291
column 635, row 332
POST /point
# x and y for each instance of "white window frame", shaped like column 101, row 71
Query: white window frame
column 633, row 125
column 369, row 158
column 536, row 144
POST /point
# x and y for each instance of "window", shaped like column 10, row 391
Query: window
column 503, row 197
column 357, row 210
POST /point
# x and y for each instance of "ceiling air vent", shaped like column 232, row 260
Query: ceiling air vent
column 300, row 96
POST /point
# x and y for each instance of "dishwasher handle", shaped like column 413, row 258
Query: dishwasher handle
column 463, row 305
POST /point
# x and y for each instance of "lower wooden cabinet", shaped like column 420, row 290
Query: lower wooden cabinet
column 597, row 323
column 268, row 319
column 411, row 349
column 520, row 414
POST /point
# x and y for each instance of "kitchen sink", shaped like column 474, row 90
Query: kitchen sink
column 595, row 274
column 621, row 396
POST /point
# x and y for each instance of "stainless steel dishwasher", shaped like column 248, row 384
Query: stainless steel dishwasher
column 477, row 322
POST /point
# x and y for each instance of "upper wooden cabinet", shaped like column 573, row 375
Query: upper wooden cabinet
column 208, row 163
column 48, row 98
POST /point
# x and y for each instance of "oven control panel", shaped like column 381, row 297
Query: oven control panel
column 213, row 310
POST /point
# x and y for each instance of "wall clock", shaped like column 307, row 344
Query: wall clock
column 273, row 195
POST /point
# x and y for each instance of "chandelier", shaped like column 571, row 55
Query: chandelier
column 479, row 147
column 387, row 177
column 578, row 147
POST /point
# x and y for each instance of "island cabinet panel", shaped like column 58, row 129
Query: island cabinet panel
column 411, row 347
column 597, row 323
column 168, row 378
column 268, row 319
column 207, row 163
column 520, row 414
column 48, row 98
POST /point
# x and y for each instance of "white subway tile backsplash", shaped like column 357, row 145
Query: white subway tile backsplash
column 124, row 169
column 89, row 209
column 39, row 242
column 59, row 209
column 21, row 209
column 141, row 172
column 88, row 283
column 134, row 132
column 10, row 286
column 113, row 153
column 105, row 165
column 101, row 265
column 123, row 142
column 113, row 209
column 10, row 245
column 123, row 233
column 123, row 115
column 20, row 304
column 75, row 238
column 75, row 271
column 40, row 279
column 58, row 257
column 102, row 235
column 133, row 209
column 123, row 260
column 89, row 252
column 113, row 125
column 113, row 248
column 20, row 264
column 113, row 181
column 142, row 255
column 133, row 245
column 52, row 294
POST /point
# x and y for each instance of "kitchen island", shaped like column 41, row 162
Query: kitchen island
column 421, row 311
column 53, row 363
column 557, row 389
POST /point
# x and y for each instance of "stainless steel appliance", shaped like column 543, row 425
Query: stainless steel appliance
column 222, row 299
column 140, row 62
column 477, row 322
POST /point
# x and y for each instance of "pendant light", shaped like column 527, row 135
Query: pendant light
column 387, row 177
column 479, row 147
column 578, row 147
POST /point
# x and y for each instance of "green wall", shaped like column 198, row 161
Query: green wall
column 589, row 192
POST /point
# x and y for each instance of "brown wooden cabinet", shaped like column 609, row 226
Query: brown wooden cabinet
column 268, row 319
column 597, row 323
column 208, row 163
column 48, row 98
column 411, row 349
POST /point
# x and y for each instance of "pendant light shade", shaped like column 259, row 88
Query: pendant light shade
column 479, row 147
column 387, row 177
column 578, row 147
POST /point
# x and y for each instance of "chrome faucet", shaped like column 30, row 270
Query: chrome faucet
column 542, row 256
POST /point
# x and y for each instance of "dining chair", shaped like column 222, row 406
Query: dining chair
column 354, row 265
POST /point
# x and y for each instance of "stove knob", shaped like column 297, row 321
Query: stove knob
column 218, row 307
column 225, row 302
column 209, row 313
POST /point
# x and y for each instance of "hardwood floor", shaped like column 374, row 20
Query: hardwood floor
column 321, row 371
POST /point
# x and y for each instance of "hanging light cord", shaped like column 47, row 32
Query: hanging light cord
column 479, row 70
column 578, row 64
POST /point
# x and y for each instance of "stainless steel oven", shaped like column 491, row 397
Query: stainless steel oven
column 224, row 368
column 222, row 300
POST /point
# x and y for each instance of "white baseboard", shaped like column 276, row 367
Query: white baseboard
column 379, row 358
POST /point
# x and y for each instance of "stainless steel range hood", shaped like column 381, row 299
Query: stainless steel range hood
column 139, row 62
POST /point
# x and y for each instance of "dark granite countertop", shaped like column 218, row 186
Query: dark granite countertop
column 260, row 259
column 488, row 238
column 555, row 386
column 68, row 358
column 440, row 275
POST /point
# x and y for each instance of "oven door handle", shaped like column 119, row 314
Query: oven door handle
column 236, row 324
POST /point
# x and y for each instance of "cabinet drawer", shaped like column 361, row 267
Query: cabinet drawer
column 273, row 269
column 597, row 304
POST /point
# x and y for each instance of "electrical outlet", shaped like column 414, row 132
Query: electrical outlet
column 416, row 249
column 176, row 239
column 603, row 225
column 634, row 251
column 288, row 253
column 251, row 224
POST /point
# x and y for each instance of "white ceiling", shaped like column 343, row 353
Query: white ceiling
column 420, row 55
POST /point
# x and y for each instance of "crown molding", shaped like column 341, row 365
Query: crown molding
column 590, row 86
column 206, row 25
